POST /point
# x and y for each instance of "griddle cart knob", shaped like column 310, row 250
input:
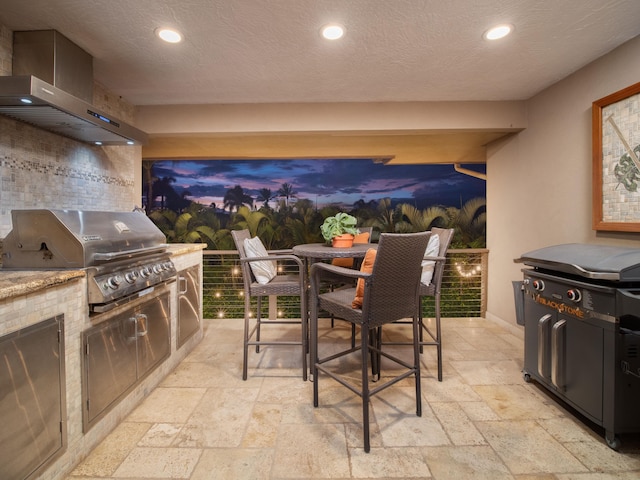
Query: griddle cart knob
column 538, row 285
column 574, row 295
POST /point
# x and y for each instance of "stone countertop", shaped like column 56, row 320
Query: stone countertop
column 14, row 283
column 183, row 248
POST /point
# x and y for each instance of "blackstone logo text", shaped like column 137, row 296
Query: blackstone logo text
column 559, row 306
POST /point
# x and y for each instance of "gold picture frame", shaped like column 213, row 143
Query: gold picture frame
column 616, row 161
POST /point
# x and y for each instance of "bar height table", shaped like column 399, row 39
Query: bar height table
column 311, row 252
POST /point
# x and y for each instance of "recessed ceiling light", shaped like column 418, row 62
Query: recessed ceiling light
column 498, row 32
column 332, row 31
column 169, row 35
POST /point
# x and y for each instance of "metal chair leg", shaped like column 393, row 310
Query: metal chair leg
column 364, row 334
column 416, row 365
column 438, row 338
column 245, row 349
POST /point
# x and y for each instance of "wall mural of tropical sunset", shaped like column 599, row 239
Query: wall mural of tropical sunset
column 285, row 201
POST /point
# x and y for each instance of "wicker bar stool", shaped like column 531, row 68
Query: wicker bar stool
column 389, row 293
column 277, row 285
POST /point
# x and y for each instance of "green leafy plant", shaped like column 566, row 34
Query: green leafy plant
column 338, row 224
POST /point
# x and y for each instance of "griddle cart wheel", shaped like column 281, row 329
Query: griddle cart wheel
column 612, row 440
column 526, row 376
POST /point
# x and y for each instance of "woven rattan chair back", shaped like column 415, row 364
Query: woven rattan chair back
column 396, row 277
column 390, row 294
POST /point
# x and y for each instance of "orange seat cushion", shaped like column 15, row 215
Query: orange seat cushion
column 348, row 262
column 367, row 267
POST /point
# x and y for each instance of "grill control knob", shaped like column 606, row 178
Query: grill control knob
column 114, row 281
column 538, row 285
column 574, row 295
column 145, row 272
column 157, row 268
column 131, row 277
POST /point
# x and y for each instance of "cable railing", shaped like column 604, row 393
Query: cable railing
column 464, row 287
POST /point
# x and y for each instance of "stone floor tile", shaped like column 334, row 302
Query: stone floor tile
column 451, row 389
column 402, row 462
column 111, row 452
column 526, row 448
column 515, row 402
column 311, row 451
column 478, row 411
column 337, row 404
column 262, row 428
column 167, row 405
column 399, row 426
column 497, row 372
column 598, row 457
column 466, row 463
column 595, row 476
column 547, row 476
column 144, row 462
column 568, row 429
column 286, row 390
column 205, row 375
column 220, row 419
column 160, row 435
column 456, row 424
column 234, row 464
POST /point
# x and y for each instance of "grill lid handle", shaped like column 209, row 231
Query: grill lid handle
column 106, row 257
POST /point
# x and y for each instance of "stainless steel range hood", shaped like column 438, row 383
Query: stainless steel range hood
column 50, row 75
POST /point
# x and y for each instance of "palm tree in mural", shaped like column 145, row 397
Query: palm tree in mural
column 264, row 196
column 186, row 228
column 162, row 188
column 235, row 198
column 415, row 220
column 286, row 191
column 252, row 220
column 471, row 223
column 304, row 227
column 386, row 218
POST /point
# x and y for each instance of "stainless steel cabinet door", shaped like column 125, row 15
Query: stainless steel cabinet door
column 188, row 303
column 32, row 398
column 110, row 362
column 153, row 330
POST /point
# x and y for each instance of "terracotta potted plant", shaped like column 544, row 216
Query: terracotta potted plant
column 339, row 229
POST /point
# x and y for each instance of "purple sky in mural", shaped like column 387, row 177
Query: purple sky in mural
column 342, row 182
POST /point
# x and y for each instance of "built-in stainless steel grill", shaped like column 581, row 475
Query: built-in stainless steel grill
column 580, row 306
column 123, row 253
column 129, row 275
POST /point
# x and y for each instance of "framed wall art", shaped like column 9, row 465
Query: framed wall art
column 616, row 161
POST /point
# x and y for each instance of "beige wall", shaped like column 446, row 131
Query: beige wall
column 539, row 181
column 409, row 133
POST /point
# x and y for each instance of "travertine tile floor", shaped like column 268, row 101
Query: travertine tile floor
column 482, row 422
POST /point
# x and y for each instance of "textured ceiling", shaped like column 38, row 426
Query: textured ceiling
column 270, row 51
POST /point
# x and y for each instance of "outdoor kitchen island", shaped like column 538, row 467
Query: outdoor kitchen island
column 37, row 302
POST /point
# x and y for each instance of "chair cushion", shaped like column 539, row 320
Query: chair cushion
column 264, row 271
column 433, row 248
column 367, row 267
column 348, row 262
